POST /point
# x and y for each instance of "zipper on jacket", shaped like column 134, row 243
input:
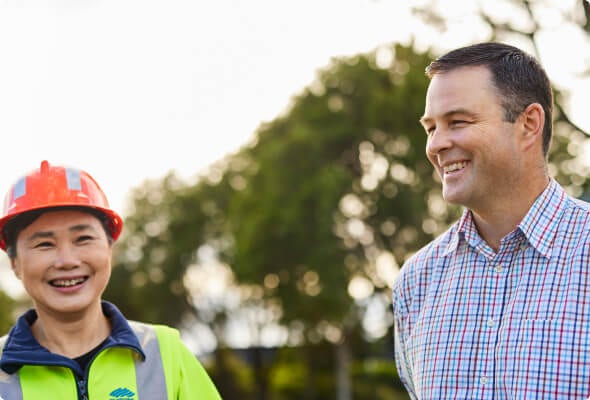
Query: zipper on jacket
column 82, row 389
column 82, row 382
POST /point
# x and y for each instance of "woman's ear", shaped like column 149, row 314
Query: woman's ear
column 16, row 268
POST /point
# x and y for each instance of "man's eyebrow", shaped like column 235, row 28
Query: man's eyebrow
column 459, row 111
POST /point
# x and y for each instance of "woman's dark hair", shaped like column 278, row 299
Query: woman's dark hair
column 17, row 224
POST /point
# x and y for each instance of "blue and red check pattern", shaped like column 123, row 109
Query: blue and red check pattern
column 474, row 324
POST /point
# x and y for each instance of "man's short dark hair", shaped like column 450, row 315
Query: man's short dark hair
column 17, row 224
column 519, row 78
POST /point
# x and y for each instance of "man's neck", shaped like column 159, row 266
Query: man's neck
column 494, row 223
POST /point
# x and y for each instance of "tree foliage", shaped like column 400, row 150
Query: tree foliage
column 322, row 193
column 6, row 314
column 332, row 184
column 328, row 199
column 309, row 223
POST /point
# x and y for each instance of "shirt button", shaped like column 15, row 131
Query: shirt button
column 491, row 323
column 483, row 380
column 498, row 268
column 523, row 246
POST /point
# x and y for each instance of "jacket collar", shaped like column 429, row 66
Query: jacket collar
column 22, row 348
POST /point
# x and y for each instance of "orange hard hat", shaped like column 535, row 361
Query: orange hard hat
column 53, row 186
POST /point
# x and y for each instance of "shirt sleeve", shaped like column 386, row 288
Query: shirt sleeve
column 401, row 361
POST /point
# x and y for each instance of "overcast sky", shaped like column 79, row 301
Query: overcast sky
column 130, row 90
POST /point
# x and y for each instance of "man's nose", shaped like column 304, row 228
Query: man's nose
column 438, row 141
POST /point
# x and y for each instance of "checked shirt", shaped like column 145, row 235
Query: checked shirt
column 471, row 323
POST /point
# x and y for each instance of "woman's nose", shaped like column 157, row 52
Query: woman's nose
column 66, row 257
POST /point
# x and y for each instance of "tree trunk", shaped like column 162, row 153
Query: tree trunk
column 343, row 360
column 260, row 373
column 309, row 391
column 224, row 379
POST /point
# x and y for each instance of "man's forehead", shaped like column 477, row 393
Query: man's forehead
column 463, row 80
column 461, row 91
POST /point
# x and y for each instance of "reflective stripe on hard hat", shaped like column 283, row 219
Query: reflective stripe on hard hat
column 20, row 188
column 73, row 179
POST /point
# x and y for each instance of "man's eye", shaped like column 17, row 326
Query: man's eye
column 43, row 245
column 429, row 130
column 458, row 122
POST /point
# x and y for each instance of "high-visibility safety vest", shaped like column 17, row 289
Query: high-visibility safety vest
column 169, row 371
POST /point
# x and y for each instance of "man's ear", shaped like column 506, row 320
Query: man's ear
column 532, row 121
column 16, row 267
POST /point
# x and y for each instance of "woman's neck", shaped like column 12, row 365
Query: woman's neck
column 71, row 335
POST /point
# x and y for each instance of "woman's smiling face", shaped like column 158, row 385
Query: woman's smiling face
column 63, row 259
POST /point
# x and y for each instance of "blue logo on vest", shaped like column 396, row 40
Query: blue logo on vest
column 121, row 393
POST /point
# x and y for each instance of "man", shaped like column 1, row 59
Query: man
column 58, row 231
column 498, row 307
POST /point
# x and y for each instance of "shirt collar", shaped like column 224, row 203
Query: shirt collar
column 539, row 225
column 465, row 229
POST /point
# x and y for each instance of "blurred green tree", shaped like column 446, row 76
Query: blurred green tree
column 313, row 217
column 332, row 196
column 7, row 305
column 305, row 228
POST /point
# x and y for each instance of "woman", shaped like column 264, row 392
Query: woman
column 58, row 231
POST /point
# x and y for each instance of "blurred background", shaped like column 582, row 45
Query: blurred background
column 268, row 161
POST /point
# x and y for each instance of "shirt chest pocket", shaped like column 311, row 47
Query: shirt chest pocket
column 544, row 356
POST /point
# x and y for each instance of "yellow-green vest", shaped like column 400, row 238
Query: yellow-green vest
column 169, row 372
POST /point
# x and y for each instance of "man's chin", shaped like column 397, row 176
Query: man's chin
column 455, row 198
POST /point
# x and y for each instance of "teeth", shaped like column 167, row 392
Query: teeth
column 455, row 166
column 67, row 282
